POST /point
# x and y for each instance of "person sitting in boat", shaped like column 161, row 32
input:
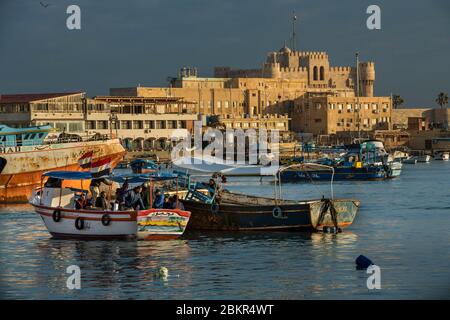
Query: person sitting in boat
column 211, row 185
column 95, row 186
column 167, row 202
column 81, row 202
column 145, row 194
column 159, row 200
column 176, row 204
column 133, row 199
column 101, row 202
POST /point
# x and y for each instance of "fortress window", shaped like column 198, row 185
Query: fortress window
column 322, row 73
column 315, row 77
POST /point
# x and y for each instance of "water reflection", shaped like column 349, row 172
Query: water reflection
column 401, row 226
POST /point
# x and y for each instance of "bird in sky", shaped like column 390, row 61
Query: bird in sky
column 44, row 5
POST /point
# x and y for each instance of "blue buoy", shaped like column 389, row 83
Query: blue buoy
column 363, row 262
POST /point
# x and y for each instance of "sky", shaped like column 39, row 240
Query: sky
column 126, row 43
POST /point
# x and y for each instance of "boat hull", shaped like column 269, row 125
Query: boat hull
column 252, row 216
column 151, row 224
column 25, row 166
column 122, row 223
column 161, row 224
column 339, row 174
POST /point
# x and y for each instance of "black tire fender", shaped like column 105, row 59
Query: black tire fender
column 106, row 219
column 79, row 223
column 56, row 215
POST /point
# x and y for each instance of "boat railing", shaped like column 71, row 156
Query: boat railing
column 303, row 167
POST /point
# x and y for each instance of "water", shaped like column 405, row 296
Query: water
column 403, row 226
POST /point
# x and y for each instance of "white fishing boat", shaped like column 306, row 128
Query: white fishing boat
column 209, row 165
column 58, row 208
column 442, row 155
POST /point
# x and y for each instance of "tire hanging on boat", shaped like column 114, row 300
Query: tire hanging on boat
column 106, row 219
column 278, row 213
column 79, row 223
column 56, row 215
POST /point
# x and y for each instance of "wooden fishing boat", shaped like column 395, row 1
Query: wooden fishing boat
column 56, row 206
column 238, row 212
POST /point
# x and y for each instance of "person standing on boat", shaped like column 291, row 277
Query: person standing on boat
column 159, row 200
column 81, row 202
column 95, row 186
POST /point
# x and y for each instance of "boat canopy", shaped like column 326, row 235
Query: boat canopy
column 141, row 178
column 69, row 175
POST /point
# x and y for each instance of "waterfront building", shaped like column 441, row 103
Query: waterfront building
column 287, row 81
column 63, row 111
column 141, row 123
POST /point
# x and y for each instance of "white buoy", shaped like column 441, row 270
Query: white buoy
column 162, row 273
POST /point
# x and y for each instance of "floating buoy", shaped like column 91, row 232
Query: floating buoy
column 363, row 262
column 162, row 273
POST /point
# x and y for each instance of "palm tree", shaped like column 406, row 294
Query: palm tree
column 442, row 99
column 397, row 101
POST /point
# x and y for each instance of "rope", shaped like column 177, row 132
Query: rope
column 328, row 204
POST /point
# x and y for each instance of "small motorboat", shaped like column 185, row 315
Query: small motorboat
column 230, row 211
column 442, row 155
column 57, row 207
column 143, row 166
column 424, row 158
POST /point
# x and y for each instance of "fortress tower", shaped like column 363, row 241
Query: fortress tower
column 367, row 73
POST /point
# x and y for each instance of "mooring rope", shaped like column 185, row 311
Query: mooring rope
column 328, row 204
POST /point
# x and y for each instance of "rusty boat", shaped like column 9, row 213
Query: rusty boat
column 231, row 211
column 26, row 153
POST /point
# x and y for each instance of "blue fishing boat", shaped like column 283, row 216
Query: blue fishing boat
column 366, row 160
column 143, row 166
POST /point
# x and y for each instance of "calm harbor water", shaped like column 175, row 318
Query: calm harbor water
column 403, row 226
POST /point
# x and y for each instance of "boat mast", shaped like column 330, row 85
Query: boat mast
column 357, row 97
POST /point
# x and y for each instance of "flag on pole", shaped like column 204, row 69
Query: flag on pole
column 101, row 167
column 86, row 160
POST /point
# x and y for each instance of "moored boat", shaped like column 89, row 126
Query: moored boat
column 232, row 211
column 26, row 153
column 57, row 207
column 143, row 166
column 442, row 155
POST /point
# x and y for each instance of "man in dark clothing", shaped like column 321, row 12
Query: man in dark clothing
column 101, row 201
column 133, row 199
column 159, row 200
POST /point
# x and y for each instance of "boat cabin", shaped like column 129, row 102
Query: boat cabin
column 17, row 137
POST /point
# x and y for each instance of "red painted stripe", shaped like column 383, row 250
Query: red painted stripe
column 131, row 213
column 84, row 218
column 102, row 162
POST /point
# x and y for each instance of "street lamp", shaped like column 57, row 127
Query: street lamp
column 113, row 120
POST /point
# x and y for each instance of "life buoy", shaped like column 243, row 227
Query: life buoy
column 214, row 208
column 57, row 215
column 106, row 219
column 278, row 213
column 79, row 223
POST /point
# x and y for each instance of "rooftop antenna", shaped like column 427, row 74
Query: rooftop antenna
column 294, row 18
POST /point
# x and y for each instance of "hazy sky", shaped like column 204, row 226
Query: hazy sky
column 123, row 43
